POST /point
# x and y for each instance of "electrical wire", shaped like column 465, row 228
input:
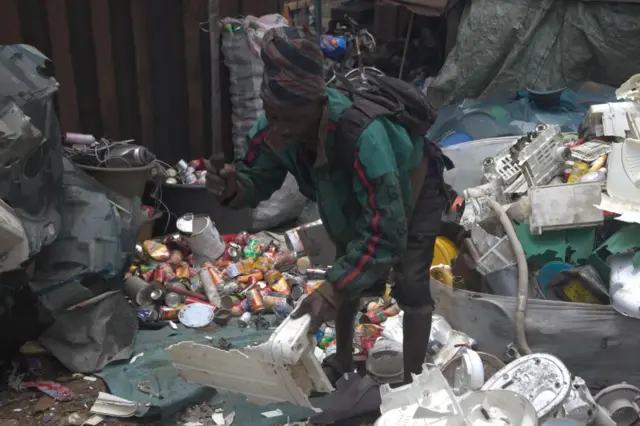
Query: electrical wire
column 97, row 155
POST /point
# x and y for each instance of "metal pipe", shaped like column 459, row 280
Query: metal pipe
column 317, row 9
column 523, row 278
column 406, row 45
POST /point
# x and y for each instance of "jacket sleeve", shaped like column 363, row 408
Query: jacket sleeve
column 260, row 172
column 381, row 229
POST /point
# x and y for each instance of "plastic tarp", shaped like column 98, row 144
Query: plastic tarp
column 96, row 240
column 594, row 341
column 507, row 45
column 490, row 118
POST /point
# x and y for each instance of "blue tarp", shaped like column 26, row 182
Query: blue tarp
column 490, row 118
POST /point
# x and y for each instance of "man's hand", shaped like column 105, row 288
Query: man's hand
column 322, row 305
column 223, row 183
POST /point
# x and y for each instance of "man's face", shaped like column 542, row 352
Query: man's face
column 292, row 124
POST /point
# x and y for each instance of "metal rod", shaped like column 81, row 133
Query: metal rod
column 406, row 45
column 318, row 18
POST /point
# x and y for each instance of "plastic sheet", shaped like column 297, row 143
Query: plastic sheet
column 516, row 114
column 594, row 341
column 30, row 144
column 285, row 205
column 96, row 239
column 507, row 45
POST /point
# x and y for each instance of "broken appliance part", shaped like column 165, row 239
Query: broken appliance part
column 490, row 366
column 429, row 400
column 385, row 361
column 591, row 151
column 499, row 408
column 620, row 402
column 564, row 206
column 283, row 369
column 580, row 405
column 465, row 373
column 630, row 89
column 623, row 177
column 540, row 155
column 624, row 285
column 445, row 342
column 542, row 378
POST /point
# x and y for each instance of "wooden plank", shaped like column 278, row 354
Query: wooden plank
column 101, row 21
column 143, row 71
column 10, row 23
column 63, row 64
column 194, row 13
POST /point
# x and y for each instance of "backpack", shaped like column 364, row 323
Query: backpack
column 384, row 96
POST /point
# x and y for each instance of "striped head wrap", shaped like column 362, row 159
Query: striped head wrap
column 293, row 67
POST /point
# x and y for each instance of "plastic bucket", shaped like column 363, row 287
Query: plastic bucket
column 129, row 182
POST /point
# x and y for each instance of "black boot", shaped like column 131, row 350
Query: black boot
column 416, row 330
column 343, row 361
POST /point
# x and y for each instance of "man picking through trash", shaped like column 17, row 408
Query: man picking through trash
column 383, row 210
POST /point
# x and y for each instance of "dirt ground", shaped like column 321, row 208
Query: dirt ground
column 30, row 407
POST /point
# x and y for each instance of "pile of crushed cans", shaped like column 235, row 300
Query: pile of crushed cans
column 192, row 173
column 255, row 276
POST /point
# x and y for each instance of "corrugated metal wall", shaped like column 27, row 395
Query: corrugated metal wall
column 131, row 68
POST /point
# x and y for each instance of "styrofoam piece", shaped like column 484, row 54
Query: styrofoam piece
column 499, row 408
column 283, row 369
column 113, row 406
column 542, row 378
column 556, row 207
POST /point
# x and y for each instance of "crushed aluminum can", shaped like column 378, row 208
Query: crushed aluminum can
column 241, row 238
column 245, row 320
column 172, row 299
column 316, row 273
column 229, row 288
column 235, row 252
column 167, row 313
column 297, row 291
column 147, row 314
column 255, row 299
column 190, row 179
column 182, row 165
column 233, row 270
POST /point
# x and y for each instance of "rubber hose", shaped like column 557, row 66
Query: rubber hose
column 523, row 278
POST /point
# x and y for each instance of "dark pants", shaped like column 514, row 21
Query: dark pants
column 412, row 281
